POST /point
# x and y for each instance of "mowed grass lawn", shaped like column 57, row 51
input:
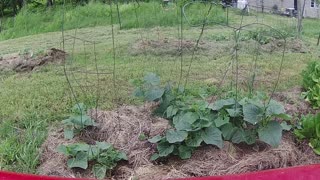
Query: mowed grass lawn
column 33, row 102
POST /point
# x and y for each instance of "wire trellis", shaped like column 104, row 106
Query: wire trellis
column 92, row 79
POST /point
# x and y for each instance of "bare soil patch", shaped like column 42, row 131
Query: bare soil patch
column 122, row 128
column 294, row 103
column 173, row 47
column 293, row 45
column 28, row 62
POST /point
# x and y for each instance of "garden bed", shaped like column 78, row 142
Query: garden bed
column 122, row 127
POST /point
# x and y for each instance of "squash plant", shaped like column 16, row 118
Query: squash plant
column 195, row 122
column 103, row 156
column 310, row 130
column 78, row 121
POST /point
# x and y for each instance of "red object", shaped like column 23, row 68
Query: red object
column 310, row 172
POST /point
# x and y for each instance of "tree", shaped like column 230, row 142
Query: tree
column 50, row 3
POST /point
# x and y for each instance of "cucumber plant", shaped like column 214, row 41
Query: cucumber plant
column 77, row 122
column 195, row 122
column 103, row 156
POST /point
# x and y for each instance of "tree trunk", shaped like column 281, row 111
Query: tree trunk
column 262, row 6
column 300, row 16
column 50, row 3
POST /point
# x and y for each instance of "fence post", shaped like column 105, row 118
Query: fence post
column 227, row 15
column 118, row 11
column 318, row 40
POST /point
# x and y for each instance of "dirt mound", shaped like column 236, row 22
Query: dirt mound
column 292, row 45
column 172, row 47
column 26, row 62
column 294, row 104
column 122, row 128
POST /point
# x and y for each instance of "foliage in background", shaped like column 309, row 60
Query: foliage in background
column 266, row 35
column 195, row 121
column 311, row 83
column 103, row 156
column 310, row 130
column 145, row 15
column 77, row 122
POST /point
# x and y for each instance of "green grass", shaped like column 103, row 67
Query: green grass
column 145, row 15
column 31, row 102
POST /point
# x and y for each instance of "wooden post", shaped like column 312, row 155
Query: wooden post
column 227, row 15
column 318, row 40
column 299, row 25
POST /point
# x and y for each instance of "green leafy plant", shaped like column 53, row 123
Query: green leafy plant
column 103, row 156
column 195, row 122
column 310, row 130
column 78, row 121
column 311, row 83
column 148, row 87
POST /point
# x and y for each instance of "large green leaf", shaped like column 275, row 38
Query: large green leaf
column 185, row 152
column 234, row 112
column 194, row 139
column 93, row 152
column 154, row 94
column 171, row 111
column 176, row 136
column 63, row 149
column 212, row 135
column 238, row 136
column 271, row 133
column 219, row 104
column 190, row 117
column 81, row 147
column 274, row 108
column 68, row 133
column 201, row 123
column 154, row 157
column 220, row 121
column 138, row 92
column 227, row 131
column 99, row 171
column 185, row 121
column 80, row 161
column 155, row 139
column 82, row 120
column 152, row 79
column 164, row 104
column 165, row 148
column 252, row 114
column 285, row 126
column 103, row 145
column 250, row 136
